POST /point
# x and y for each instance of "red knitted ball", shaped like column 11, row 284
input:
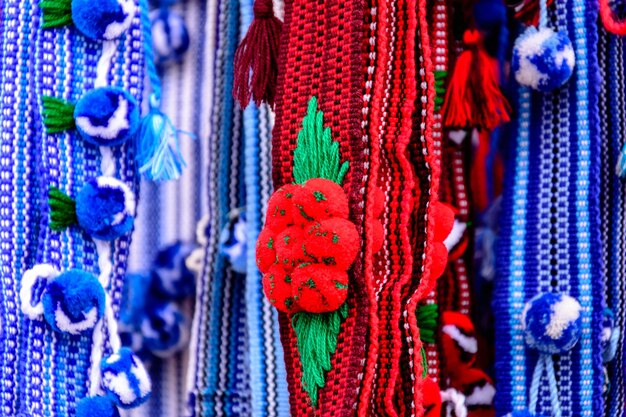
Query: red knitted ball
column 444, row 220
column 277, row 288
column 432, row 398
column 319, row 288
column 458, row 341
column 319, row 199
column 332, row 242
column 290, row 248
column 378, row 201
column 280, row 208
column 266, row 250
column 440, row 260
column 475, row 384
column 378, row 236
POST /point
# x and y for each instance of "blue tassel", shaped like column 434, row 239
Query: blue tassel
column 620, row 169
column 158, row 148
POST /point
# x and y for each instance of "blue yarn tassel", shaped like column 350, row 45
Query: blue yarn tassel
column 158, row 148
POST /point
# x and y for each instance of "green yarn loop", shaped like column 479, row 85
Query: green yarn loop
column 317, row 342
column 58, row 114
column 440, row 89
column 62, row 210
column 317, row 155
column 427, row 316
column 56, row 13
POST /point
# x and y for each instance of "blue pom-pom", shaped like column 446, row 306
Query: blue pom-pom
column 165, row 330
column 125, row 379
column 170, row 38
column 102, row 19
column 233, row 243
column 96, row 407
column 552, row 322
column 543, row 59
column 106, row 116
column 105, row 208
column 74, row 302
column 170, row 275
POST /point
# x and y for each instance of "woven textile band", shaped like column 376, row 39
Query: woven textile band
column 612, row 113
column 321, row 55
column 550, row 234
column 43, row 372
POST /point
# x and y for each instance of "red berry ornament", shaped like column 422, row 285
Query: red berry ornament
column 319, row 288
column 439, row 260
column 277, row 288
column 280, row 208
column 378, row 236
column 443, row 215
column 290, row 248
column 266, row 250
column 378, row 201
column 333, row 242
column 319, row 199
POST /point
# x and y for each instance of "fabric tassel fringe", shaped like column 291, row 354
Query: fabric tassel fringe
column 158, row 148
column 474, row 99
column 56, row 13
column 58, row 114
column 256, row 58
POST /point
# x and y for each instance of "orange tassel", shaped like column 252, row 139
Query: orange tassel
column 473, row 97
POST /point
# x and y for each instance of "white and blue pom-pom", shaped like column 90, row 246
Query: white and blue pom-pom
column 33, row 287
column 105, row 208
column 543, row 59
column 106, row 116
column 103, row 19
column 552, row 322
column 609, row 338
column 170, row 275
column 165, row 330
column 74, row 302
column 233, row 243
column 170, row 38
column 125, row 379
column 96, row 407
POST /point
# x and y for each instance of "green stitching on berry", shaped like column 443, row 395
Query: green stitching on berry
column 270, row 243
column 335, row 238
column 340, row 286
column 319, row 196
column 310, row 283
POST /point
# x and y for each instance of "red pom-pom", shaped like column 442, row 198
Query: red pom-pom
column 280, row 208
column 432, row 398
column 443, row 215
column 439, row 260
column 290, row 248
column 319, row 199
column 378, row 236
column 319, row 288
column 378, row 201
column 458, row 341
column 277, row 288
column 332, row 242
column 265, row 250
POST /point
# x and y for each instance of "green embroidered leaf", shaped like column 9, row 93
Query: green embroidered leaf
column 317, row 155
column 317, row 342
column 427, row 316
column 62, row 210
column 58, row 114
column 56, row 13
column 440, row 90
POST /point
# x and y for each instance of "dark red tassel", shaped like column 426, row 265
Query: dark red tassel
column 256, row 58
column 473, row 98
